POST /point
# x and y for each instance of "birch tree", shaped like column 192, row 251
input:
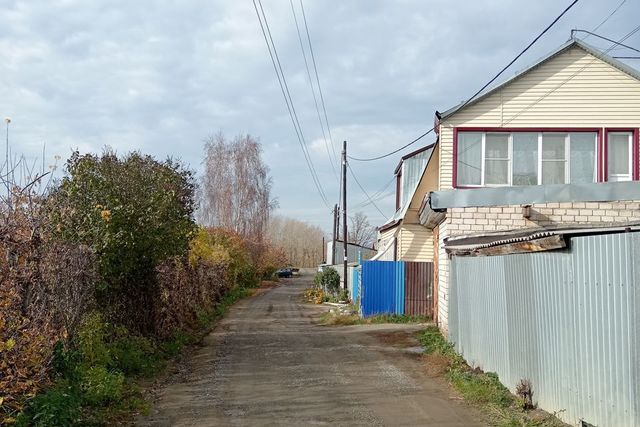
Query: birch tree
column 235, row 188
column 300, row 241
column 361, row 232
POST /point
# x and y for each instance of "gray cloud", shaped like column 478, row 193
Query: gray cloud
column 160, row 76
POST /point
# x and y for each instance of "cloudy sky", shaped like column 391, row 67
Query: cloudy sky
column 161, row 75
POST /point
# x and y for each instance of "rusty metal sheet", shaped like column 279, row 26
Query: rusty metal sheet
column 418, row 295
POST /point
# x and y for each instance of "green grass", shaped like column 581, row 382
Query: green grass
column 483, row 389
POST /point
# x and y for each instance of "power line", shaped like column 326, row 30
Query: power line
column 394, row 151
column 534, row 103
column 287, row 97
column 313, row 92
column 315, row 68
column 615, row 43
column 364, row 191
column 607, row 18
column 378, row 195
column 483, row 87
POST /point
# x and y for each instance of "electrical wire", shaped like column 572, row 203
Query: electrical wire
column 493, row 79
column 534, row 103
column 607, row 18
column 609, row 40
column 315, row 68
column 364, row 191
column 378, row 194
column 287, row 97
column 313, row 92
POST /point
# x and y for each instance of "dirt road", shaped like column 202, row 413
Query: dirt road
column 268, row 363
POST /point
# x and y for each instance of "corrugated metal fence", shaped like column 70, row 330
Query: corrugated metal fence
column 567, row 320
column 396, row 287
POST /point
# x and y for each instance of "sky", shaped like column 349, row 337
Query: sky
column 160, row 76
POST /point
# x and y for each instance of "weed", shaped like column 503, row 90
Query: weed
column 99, row 386
column 480, row 388
column 59, row 406
column 330, row 318
column 133, row 355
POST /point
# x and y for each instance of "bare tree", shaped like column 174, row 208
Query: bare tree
column 236, row 186
column 360, row 231
column 300, row 241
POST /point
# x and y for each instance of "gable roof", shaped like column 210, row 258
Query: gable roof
column 566, row 46
column 398, row 216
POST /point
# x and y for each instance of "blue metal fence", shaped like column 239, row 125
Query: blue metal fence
column 355, row 280
column 382, row 287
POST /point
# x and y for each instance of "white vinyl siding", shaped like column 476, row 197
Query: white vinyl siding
column 571, row 90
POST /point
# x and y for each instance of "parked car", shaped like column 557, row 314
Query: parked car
column 295, row 271
column 284, row 272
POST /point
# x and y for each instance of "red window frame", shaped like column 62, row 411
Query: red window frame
column 599, row 147
column 635, row 152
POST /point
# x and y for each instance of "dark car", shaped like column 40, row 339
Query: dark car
column 284, row 272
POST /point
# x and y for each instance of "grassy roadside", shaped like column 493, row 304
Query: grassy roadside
column 111, row 392
column 335, row 319
column 481, row 389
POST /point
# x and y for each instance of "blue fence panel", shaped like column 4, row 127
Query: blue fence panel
column 356, row 285
column 382, row 287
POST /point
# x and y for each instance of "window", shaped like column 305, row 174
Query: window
column 496, row 159
column 582, row 158
column 554, row 158
column 470, row 158
column 525, row 158
column 619, row 156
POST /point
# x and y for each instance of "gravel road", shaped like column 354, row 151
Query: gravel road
column 269, row 363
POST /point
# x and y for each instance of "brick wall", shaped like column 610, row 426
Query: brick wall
column 509, row 217
column 501, row 218
column 443, row 278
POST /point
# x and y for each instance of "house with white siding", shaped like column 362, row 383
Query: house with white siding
column 556, row 145
column 402, row 238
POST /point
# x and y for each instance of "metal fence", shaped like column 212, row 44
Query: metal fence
column 567, row 320
column 396, row 287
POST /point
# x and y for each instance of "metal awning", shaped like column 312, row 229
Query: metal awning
column 522, row 241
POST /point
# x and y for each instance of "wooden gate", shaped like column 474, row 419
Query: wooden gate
column 418, row 295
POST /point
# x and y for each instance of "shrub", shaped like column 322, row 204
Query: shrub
column 91, row 341
column 133, row 354
column 59, row 406
column 329, row 279
column 134, row 212
column 100, row 386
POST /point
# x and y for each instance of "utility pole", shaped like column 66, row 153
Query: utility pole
column 344, row 211
column 335, row 234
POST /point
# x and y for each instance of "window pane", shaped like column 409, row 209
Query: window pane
column 469, row 158
column 619, row 163
column 496, row 146
column 583, row 157
column 553, row 146
column 553, row 172
column 496, row 172
column 525, row 158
